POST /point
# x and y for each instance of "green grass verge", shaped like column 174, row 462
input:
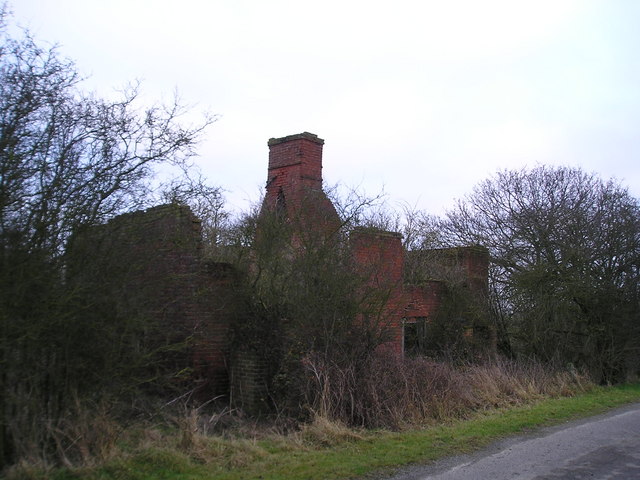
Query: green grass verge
column 375, row 451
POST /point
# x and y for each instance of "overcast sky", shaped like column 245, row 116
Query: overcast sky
column 422, row 98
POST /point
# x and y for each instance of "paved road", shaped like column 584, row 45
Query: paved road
column 602, row 447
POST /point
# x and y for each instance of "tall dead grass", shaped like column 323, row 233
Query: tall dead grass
column 389, row 392
column 377, row 392
column 82, row 435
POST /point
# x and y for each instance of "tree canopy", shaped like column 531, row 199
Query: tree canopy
column 565, row 248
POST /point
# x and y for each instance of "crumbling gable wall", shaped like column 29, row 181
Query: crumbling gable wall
column 455, row 280
column 451, row 297
column 148, row 265
column 378, row 258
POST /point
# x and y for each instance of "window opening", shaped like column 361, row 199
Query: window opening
column 415, row 336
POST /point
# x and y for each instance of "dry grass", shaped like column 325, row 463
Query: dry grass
column 388, row 392
column 324, row 432
column 382, row 392
column 82, row 435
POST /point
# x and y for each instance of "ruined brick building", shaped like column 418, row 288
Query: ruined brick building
column 157, row 267
column 294, row 189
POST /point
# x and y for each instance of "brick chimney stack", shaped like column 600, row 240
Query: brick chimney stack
column 295, row 168
column 294, row 183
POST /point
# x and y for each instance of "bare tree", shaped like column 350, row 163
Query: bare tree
column 207, row 202
column 565, row 249
column 67, row 161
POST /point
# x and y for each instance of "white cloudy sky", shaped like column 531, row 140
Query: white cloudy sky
column 421, row 98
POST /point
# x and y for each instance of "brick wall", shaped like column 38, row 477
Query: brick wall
column 148, row 265
column 379, row 255
column 249, row 379
column 424, row 300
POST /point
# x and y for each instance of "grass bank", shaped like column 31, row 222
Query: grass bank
column 326, row 450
